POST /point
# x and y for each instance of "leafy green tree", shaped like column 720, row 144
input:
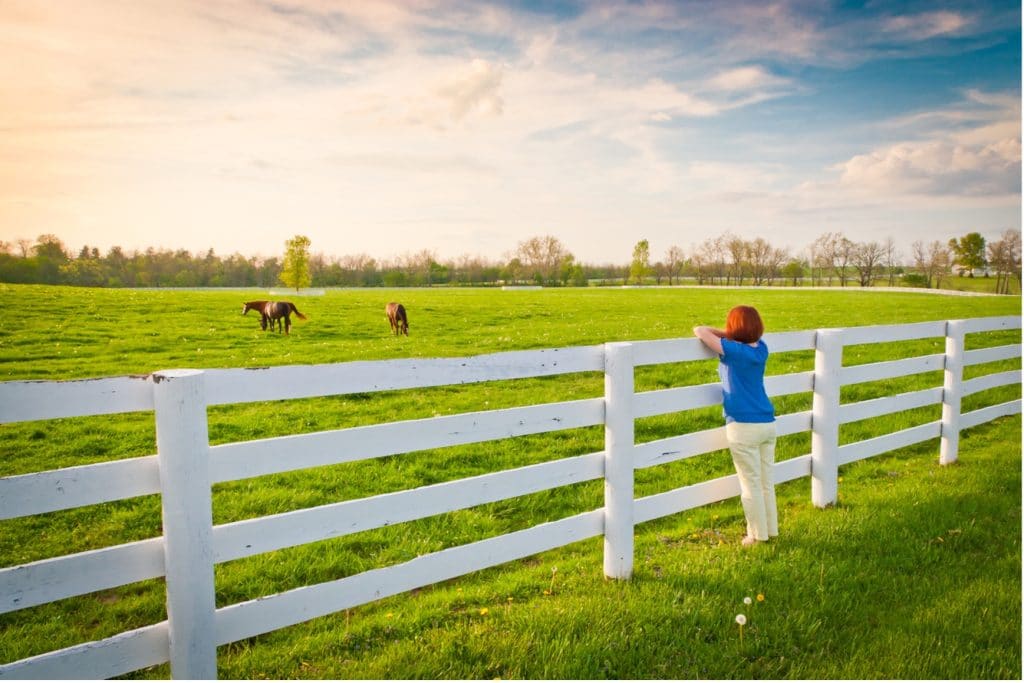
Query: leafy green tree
column 640, row 268
column 50, row 255
column 969, row 252
column 438, row 273
column 793, row 271
column 295, row 270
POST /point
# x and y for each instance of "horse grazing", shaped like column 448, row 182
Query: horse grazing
column 257, row 306
column 398, row 319
column 273, row 310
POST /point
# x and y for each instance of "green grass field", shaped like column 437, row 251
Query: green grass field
column 915, row 574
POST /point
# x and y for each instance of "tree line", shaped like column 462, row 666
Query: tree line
column 831, row 259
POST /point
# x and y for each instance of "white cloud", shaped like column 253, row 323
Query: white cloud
column 969, row 150
column 926, row 25
column 475, row 89
column 937, row 167
column 743, row 78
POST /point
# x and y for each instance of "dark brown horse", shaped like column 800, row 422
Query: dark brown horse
column 396, row 316
column 273, row 310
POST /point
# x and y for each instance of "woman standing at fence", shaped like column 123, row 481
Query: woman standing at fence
column 749, row 415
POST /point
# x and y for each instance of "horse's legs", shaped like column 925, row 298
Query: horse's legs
column 287, row 323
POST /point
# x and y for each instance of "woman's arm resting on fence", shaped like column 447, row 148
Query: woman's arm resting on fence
column 712, row 337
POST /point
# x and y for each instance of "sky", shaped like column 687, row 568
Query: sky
column 467, row 127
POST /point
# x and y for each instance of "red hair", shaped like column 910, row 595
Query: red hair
column 744, row 325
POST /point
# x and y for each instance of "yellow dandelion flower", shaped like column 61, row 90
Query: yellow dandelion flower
column 484, row 611
column 760, row 597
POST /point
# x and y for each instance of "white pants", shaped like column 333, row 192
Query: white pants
column 753, row 453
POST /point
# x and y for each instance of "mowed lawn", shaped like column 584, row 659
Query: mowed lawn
column 915, row 574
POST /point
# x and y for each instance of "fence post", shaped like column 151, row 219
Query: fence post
column 952, row 391
column 618, row 460
column 183, row 450
column 828, row 364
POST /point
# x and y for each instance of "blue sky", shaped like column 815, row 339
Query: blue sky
column 386, row 128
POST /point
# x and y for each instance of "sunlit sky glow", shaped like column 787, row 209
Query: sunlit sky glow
column 466, row 127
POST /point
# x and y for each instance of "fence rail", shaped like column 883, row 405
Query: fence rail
column 186, row 466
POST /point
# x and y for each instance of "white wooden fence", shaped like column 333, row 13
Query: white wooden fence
column 186, row 466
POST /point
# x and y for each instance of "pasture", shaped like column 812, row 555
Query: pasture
column 915, row 559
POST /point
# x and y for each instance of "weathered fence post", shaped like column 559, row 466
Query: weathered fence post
column 183, row 450
column 828, row 364
column 618, row 460
column 952, row 391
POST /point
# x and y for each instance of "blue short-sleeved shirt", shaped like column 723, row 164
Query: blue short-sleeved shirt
column 741, row 368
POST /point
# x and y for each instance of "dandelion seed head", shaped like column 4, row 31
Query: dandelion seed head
column 747, row 600
column 741, row 619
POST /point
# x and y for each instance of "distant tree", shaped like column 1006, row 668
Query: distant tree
column 820, row 259
column 1004, row 255
column 512, row 271
column 739, row 258
column 572, row 272
column 867, row 259
column 674, row 260
column 890, row 259
column 358, row 270
column 83, row 272
column 699, row 264
column 842, row 251
column 941, row 259
column 969, row 252
column 764, row 261
column 50, row 256
column 920, row 254
column 711, row 257
column 295, row 269
column 542, row 258
column 640, row 267
column 793, row 271
column 932, row 261
column 437, row 273
column 777, row 257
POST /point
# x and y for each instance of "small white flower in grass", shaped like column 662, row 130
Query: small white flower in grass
column 747, row 601
column 741, row 619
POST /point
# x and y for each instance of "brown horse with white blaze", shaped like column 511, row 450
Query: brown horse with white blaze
column 397, row 318
column 271, row 311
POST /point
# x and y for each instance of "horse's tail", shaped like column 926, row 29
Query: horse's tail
column 296, row 311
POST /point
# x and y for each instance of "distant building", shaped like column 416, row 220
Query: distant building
column 965, row 271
